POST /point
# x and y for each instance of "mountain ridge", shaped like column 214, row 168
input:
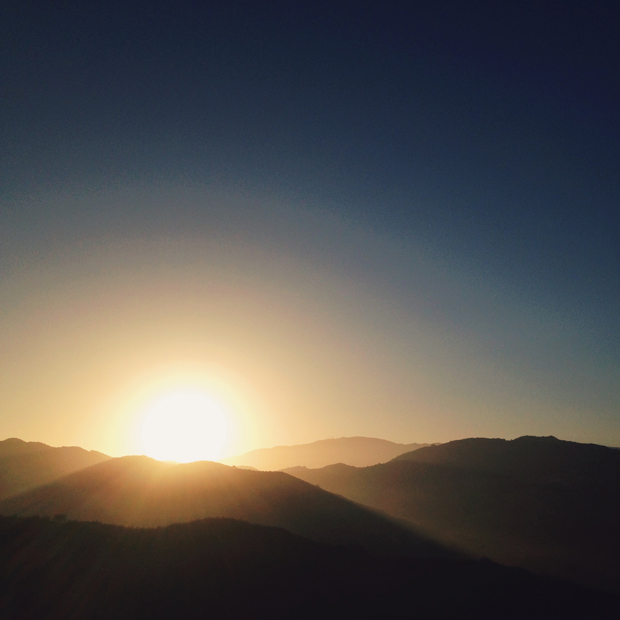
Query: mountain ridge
column 540, row 503
column 356, row 451
column 141, row 492
column 27, row 465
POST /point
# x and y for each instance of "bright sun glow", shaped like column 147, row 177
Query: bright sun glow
column 184, row 427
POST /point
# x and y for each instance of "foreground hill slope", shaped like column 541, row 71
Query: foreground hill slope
column 139, row 491
column 26, row 465
column 220, row 568
column 356, row 451
column 538, row 502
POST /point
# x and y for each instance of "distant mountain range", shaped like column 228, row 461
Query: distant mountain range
column 142, row 492
column 220, row 568
column 26, row 465
column 536, row 502
column 549, row 505
column 356, row 451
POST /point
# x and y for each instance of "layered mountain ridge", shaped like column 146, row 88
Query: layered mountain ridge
column 548, row 505
column 27, row 465
column 139, row 491
column 540, row 503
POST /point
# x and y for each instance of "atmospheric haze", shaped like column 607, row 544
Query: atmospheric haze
column 382, row 220
column 301, row 324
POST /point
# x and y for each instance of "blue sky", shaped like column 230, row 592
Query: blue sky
column 411, row 214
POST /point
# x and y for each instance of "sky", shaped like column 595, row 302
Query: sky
column 398, row 220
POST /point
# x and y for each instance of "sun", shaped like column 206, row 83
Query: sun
column 184, row 427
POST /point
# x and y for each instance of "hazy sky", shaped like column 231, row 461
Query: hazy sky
column 336, row 218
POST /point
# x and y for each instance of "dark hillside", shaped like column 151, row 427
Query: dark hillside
column 220, row 568
column 537, row 502
column 522, row 458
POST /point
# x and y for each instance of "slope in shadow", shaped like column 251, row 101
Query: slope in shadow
column 142, row 492
column 219, row 568
column 538, row 502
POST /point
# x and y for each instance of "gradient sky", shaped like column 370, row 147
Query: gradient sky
column 337, row 218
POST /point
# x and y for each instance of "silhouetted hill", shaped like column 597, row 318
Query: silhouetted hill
column 357, row 451
column 225, row 569
column 26, row 465
column 140, row 491
column 537, row 502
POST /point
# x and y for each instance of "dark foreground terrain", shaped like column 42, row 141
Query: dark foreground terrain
column 222, row 568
